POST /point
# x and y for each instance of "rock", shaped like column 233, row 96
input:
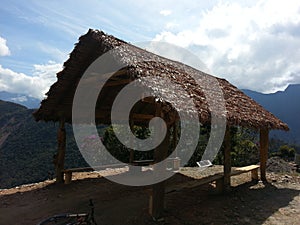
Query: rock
column 278, row 165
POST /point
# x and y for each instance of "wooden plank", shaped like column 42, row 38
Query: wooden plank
column 227, row 159
column 195, row 183
column 142, row 162
column 61, row 151
column 209, row 179
column 264, row 146
column 247, row 168
column 87, row 169
column 68, row 172
column 244, row 169
column 81, row 169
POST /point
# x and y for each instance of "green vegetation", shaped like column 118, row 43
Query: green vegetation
column 244, row 147
column 117, row 149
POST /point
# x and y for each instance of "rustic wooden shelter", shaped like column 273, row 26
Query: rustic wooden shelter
column 240, row 109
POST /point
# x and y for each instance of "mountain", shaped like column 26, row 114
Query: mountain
column 27, row 147
column 10, row 107
column 6, row 118
column 21, row 99
column 285, row 105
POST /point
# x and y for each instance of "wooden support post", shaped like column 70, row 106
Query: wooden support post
column 220, row 185
column 156, row 203
column 264, row 146
column 175, row 136
column 254, row 174
column 68, row 177
column 131, row 156
column 227, row 160
column 176, row 162
column 61, row 149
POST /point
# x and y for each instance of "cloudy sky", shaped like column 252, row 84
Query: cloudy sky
column 253, row 44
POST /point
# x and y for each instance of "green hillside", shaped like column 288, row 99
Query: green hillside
column 27, row 152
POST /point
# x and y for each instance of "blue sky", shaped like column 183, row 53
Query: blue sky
column 253, row 44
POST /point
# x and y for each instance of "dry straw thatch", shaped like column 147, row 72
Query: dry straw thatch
column 241, row 110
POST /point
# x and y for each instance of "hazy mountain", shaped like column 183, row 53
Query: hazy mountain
column 285, row 105
column 21, row 99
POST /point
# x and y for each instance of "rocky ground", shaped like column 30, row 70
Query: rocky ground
column 274, row 202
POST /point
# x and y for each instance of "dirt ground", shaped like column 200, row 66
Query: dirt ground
column 275, row 202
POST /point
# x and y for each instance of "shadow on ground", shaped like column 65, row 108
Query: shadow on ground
column 248, row 203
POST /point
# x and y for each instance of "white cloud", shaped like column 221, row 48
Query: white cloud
column 35, row 86
column 174, row 52
column 165, row 12
column 171, row 25
column 4, row 50
column 20, row 99
column 252, row 46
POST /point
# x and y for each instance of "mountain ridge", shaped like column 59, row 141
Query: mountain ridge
column 285, row 105
column 22, row 99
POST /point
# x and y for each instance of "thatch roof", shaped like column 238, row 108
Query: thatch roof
column 240, row 109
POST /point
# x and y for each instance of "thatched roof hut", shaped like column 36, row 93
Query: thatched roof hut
column 240, row 110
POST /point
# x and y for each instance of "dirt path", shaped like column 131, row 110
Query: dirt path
column 277, row 202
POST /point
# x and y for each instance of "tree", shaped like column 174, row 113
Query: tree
column 286, row 151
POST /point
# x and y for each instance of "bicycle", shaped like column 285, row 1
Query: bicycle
column 72, row 218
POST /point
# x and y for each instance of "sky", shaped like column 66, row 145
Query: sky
column 253, row 44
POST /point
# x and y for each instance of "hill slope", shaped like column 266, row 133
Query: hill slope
column 27, row 147
column 285, row 105
column 7, row 121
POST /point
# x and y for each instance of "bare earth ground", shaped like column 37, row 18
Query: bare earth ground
column 275, row 202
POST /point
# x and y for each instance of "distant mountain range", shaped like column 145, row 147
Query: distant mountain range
column 21, row 99
column 286, row 106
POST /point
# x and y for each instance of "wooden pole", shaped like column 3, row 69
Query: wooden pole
column 131, row 156
column 227, row 160
column 176, row 161
column 175, row 138
column 264, row 146
column 61, row 149
column 156, row 206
